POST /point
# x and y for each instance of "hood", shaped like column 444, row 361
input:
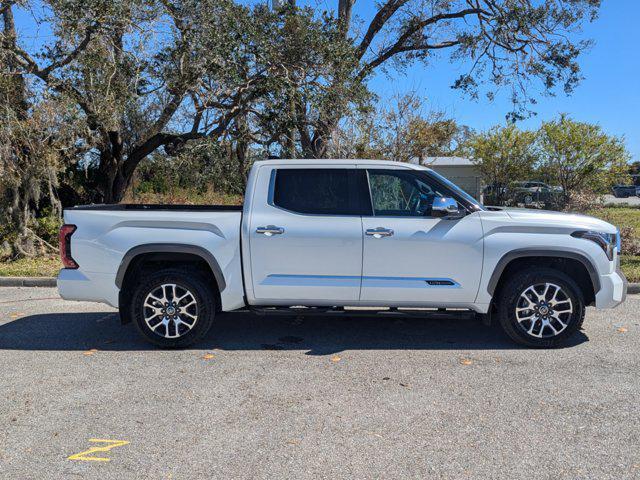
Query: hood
column 567, row 220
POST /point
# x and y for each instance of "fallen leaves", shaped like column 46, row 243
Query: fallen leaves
column 208, row 356
column 622, row 330
column 335, row 359
column 466, row 361
column 90, row 352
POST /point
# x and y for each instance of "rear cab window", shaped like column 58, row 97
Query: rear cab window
column 321, row 191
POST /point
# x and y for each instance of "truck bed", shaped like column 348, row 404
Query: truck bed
column 106, row 234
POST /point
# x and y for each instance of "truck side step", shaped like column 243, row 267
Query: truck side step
column 363, row 312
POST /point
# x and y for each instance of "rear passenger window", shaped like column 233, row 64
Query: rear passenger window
column 315, row 191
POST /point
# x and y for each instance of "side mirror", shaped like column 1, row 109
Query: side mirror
column 446, row 207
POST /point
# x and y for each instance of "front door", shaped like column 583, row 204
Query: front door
column 306, row 236
column 410, row 257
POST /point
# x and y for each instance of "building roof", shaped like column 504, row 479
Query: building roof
column 445, row 162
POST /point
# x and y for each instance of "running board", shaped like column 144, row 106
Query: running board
column 363, row 312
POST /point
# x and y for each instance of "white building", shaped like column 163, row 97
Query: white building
column 461, row 171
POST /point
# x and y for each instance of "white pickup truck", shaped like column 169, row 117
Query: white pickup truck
column 316, row 236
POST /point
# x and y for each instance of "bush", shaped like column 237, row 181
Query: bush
column 630, row 243
column 47, row 228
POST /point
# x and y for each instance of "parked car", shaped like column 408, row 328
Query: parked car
column 530, row 192
column 534, row 186
column 625, row 191
column 321, row 235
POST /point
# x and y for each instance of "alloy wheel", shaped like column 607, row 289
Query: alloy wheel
column 170, row 310
column 544, row 310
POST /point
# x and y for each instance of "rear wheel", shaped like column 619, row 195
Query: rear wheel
column 540, row 307
column 173, row 308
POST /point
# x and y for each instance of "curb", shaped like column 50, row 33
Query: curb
column 27, row 281
column 632, row 288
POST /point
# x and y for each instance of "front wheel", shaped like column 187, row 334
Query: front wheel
column 173, row 308
column 540, row 307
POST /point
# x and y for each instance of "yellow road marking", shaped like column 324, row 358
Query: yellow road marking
column 110, row 444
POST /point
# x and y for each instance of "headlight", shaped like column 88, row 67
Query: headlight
column 609, row 242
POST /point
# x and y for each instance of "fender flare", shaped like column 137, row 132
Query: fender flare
column 547, row 252
column 171, row 248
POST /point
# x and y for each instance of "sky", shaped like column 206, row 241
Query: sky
column 609, row 95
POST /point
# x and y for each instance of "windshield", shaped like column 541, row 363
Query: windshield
column 456, row 189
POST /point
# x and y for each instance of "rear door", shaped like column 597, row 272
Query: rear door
column 410, row 257
column 305, row 235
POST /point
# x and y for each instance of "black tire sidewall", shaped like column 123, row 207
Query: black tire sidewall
column 510, row 296
column 192, row 282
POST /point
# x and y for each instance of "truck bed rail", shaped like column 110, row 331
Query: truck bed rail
column 148, row 206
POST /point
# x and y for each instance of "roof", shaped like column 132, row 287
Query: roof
column 447, row 162
column 334, row 161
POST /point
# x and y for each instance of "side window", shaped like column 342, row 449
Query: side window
column 320, row 191
column 400, row 194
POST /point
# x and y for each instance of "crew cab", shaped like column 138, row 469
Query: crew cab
column 326, row 235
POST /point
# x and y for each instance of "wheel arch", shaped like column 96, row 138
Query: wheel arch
column 556, row 258
column 170, row 248
column 165, row 253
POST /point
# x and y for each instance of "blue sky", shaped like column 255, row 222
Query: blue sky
column 609, row 94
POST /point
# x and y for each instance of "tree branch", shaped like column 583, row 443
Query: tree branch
column 345, row 8
column 167, row 113
column 74, row 53
column 378, row 22
column 408, row 48
column 400, row 45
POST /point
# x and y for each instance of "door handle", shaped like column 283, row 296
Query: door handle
column 270, row 230
column 379, row 232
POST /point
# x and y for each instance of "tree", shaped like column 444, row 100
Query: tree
column 400, row 130
column 407, row 132
column 508, row 43
column 580, row 156
column 503, row 154
column 141, row 85
column 634, row 170
column 313, row 52
column 36, row 135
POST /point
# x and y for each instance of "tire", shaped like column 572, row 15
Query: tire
column 168, row 323
column 534, row 292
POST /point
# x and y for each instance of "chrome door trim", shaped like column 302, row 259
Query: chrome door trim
column 270, row 230
column 379, row 232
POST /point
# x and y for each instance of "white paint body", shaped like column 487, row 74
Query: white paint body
column 325, row 260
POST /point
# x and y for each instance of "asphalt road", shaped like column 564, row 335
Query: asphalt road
column 271, row 397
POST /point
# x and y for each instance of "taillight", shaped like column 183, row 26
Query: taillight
column 64, row 238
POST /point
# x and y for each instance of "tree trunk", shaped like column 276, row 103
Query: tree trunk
column 18, row 93
column 114, row 178
column 321, row 137
column 115, row 184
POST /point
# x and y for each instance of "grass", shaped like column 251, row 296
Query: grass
column 631, row 267
column 623, row 217
column 47, row 266
column 620, row 217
